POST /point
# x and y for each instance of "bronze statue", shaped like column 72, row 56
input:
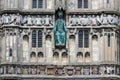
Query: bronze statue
column 60, row 30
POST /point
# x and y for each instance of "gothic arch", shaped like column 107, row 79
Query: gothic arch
column 72, row 46
column 34, row 38
column 25, row 47
column 40, row 37
column 79, row 57
column 33, row 57
column 95, row 48
column 40, row 56
column 55, row 56
column 64, row 57
column 87, row 57
column 48, row 46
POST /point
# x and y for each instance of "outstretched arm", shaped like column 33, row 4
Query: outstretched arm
column 65, row 27
column 54, row 29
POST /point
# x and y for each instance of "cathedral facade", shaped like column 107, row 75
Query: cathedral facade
column 82, row 42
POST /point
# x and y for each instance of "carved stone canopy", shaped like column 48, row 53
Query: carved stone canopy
column 60, row 4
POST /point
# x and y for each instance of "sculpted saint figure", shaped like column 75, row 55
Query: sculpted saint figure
column 24, row 21
column 79, row 20
column 104, row 19
column 74, row 20
column 18, row 19
column 12, row 18
column 60, row 30
column 110, row 18
column 115, row 19
column 47, row 20
column 6, row 19
column 29, row 20
column 84, row 20
column 98, row 20
column 93, row 20
column 39, row 21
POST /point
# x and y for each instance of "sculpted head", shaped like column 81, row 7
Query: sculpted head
column 60, row 14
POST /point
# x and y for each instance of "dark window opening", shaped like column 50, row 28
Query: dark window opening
column 37, row 3
column 39, row 38
column 108, row 40
column 10, row 52
column 108, row 1
column 86, row 38
column 79, row 3
column 80, row 38
column 40, row 3
column 34, row 39
column 85, row 3
column 34, row 4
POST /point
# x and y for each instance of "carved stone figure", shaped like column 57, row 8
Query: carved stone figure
column 74, row 21
column 84, row 20
column 11, row 70
column 98, row 20
column 93, row 21
column 25, row 71
column 115, row 20
column 110, row 18
column 24, row 21
column 6, row 19
column 12, row 19
column 60, row 30
column 34, row 20
column 70, row 20
column 104, row 19
column 110, row 70
column 79, row 20
column 18, row 70
column 94, row 70
column 18, row 19
column 47, row 20
column 102, row 70
column 89, row 20
column 39, row 21
column 86, row 71
column 33, row 71
column 29, row 20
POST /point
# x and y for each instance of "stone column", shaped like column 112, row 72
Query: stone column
column 102, row 47
column 112, row 46
column 30, row 43
column 4, row 69
column 105, row 46
column 15, row 45
column 90, row 46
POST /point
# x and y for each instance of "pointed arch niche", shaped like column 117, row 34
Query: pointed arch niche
column 25, row 47
column 33, row 57
column 40, row 57
column 80, row 57
column 49, row 47
column 56, row 57
column 64, row 57
column 72, row 48
column 95, row 48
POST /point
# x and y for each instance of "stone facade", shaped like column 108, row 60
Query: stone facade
column 27, row 45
